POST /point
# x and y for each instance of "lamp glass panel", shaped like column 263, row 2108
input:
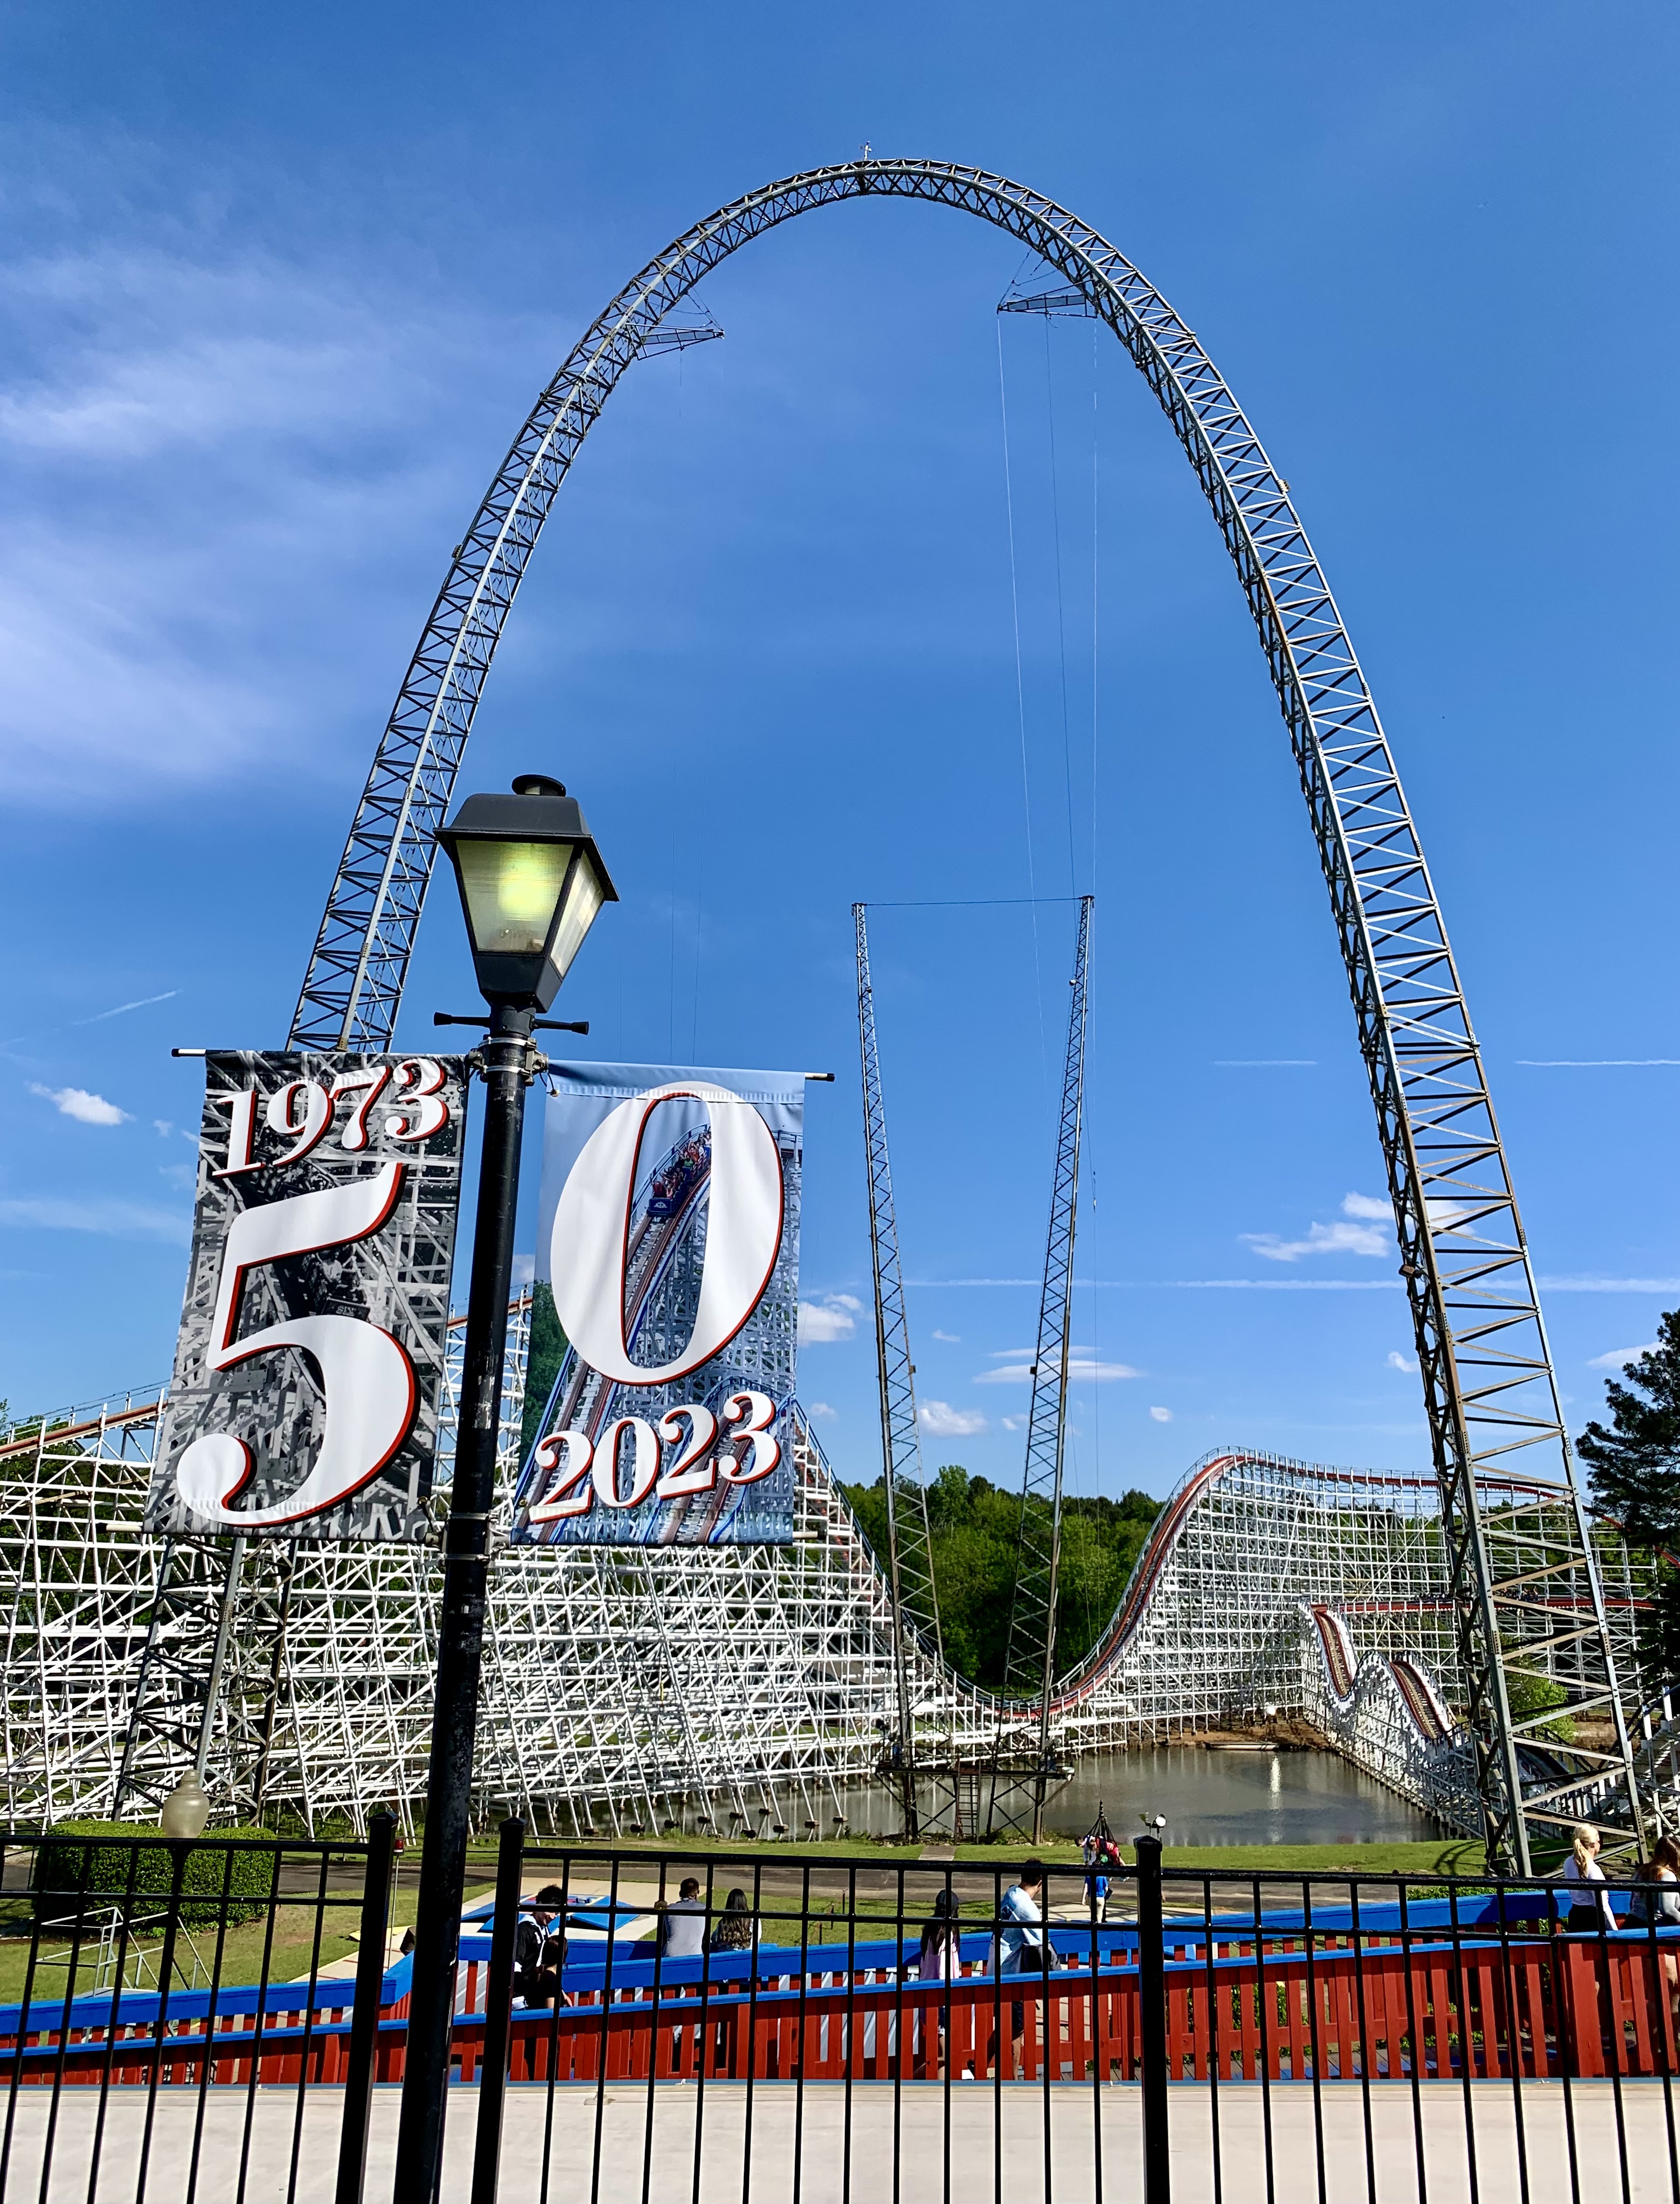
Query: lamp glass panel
column 583, row 900
column 509, row 890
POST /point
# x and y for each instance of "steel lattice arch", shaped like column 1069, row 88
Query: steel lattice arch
column 1517, row 1594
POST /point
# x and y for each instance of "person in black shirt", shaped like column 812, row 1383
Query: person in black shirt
column 539, row 1957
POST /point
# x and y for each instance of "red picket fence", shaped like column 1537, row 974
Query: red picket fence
column 1530, row 2007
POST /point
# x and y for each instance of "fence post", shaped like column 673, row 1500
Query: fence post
column 364, row 2013
column 498, row 2012
column 1153, row 2021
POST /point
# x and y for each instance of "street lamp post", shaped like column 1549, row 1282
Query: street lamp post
column 531, row 881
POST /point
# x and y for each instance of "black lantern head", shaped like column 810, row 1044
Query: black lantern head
column 531, row 881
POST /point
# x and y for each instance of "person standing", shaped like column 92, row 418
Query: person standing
column 1656, row 1900
column 1019, row 1946
column 939, row 1957
column 1587, row 1905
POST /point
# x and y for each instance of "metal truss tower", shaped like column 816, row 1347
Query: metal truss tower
column 1029, row 1658
column 916, row 1603
column 1537, row 1616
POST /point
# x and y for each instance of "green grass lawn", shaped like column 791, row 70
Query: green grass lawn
column 1436, row 1857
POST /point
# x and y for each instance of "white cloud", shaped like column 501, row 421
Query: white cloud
column 942, row 1421
column 184, row 1176
column 1161, row 1415
column 162, row 1126
column 1368, row 1229
column 122, row 1220
column 208, row 453
column 524, row 1271
column 822, row 1411
column 1397, row 1362
column 76, row 1102
column 1082, row 1368
column 1016, row 1422
column 834, row 1317
column 1619, row 1357
column 950, row 1338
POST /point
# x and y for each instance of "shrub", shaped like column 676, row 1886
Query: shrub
column 92, row 1866
column 1528, row 1695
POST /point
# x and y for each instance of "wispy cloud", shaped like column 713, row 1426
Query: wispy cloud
column 120, row 1220
column 942, row 1421
column 76, row 1102
column 1398, row 1361
column 1014, row 1423
column 1161, row 1415
column 1366, row 1228
column 1609, row 1285
column 950, row 1338
column 821, row 1410
column 1599, row 1063
column 1082, row 1368
column 1619, row 1357
column 834, row 1317
column 117, row 1011
column 208, row 451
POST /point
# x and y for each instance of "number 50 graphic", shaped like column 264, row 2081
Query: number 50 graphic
column 592, row 1221
column 367, row 1377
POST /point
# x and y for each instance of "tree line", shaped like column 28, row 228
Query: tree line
column 975, row 1527
column 1633, row 1460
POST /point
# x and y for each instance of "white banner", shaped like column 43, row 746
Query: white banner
column 669, row 1233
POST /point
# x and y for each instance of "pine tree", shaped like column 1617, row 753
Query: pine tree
column 1635, row 1479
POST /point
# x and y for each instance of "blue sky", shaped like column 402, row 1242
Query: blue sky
column 280, row 285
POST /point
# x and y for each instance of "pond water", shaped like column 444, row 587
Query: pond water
column 1209, row 1797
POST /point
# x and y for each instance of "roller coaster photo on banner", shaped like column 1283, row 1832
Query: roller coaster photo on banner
column 669, row 1235
column 311, row 1355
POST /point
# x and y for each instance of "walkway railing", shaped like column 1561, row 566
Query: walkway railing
column 846, row 2032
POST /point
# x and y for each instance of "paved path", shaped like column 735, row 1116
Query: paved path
column 975, row 2162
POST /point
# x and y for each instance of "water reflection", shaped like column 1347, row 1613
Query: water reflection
column 1261, row 1797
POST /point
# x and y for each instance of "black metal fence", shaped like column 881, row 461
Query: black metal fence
column 227, row 2020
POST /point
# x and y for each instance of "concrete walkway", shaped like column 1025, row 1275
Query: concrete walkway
column 976, row 2161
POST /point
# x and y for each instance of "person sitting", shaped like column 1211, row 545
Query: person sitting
column 539, row 1959
column 737, row 1928
column 682, row 1932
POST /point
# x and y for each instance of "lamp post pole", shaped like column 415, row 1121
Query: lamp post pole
column 506, row 1055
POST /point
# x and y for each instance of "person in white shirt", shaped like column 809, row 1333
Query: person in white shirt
column 1020, row 1944
column 1587, row 1905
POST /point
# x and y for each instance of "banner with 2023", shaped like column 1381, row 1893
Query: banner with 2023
column 310, row 1363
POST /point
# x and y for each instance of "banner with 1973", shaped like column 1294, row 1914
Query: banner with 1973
column 309, row 1360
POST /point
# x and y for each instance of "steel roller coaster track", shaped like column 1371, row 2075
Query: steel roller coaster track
column 1487, row 1373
